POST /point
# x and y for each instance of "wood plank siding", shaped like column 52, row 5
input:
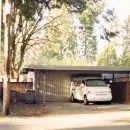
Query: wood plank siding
column 121, row 92
column 128, row 92
column 55, row 84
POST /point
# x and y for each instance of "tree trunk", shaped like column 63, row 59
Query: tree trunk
column 12, row 73
column 6, row 86
column 6, row 96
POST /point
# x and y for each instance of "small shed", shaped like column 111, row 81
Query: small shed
column 52, row 83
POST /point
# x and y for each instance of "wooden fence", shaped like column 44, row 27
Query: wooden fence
column 121, row 92
column 17, row 90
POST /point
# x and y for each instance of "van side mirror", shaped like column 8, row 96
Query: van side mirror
column 108, row 85
column 82, row 85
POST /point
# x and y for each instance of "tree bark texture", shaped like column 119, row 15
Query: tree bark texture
column 6, row 86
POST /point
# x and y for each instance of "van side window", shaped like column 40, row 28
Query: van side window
column 74, row 83
column 78, row 83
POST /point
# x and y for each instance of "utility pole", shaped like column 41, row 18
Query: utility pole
column 6, row 85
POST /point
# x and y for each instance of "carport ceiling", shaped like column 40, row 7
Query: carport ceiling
column 77, row 69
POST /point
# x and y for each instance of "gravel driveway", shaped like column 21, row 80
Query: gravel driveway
column 99, row 121
column 68, row 116
column 67, row 108
column 21, row 109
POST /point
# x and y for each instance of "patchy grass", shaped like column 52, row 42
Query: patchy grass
column 22, row 110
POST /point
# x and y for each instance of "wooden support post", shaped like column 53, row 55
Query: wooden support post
column 44, row 89
column 127, row 77
column 34, row 81
column 127, row 90
column 38, row 88
column 113, row 78
column 35, row 86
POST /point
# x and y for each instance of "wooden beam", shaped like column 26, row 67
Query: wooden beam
column 44, row 89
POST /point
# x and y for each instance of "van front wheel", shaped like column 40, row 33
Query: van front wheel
column 108, row 102
column 86, row 100
column 72, row 98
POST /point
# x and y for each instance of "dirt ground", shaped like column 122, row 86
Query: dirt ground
column 59, row 108
column 21, row 109
column 67, row 116
column 63, row 108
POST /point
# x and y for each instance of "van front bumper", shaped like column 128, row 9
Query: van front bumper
column 99, row 98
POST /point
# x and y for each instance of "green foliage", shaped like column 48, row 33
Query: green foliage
column 89, row 16
column 44, row 60
column 108, row 57
column 2, row 50
column 62, row 44
column 27, row 24
column 56, row 34
column 75, row 5
column 124, row 60
column 63, row 37
column 28, row 8
column 88, row 39
column 2, row 37
column 109, row 16
column 66, row 40
column 72, row 5
column 126, row 35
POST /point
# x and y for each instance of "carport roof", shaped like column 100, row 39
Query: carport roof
column 90, row 69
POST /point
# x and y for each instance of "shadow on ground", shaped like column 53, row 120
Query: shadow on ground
column 122, row 127
column 8, row 126
column 22, row 110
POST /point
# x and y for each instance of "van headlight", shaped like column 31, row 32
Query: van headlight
column 90, row 92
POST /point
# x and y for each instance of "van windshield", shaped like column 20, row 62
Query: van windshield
column 95, row 82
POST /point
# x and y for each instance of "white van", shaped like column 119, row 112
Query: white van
column 90, row 89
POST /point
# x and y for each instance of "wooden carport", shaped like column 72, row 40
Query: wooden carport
column 52, row 83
